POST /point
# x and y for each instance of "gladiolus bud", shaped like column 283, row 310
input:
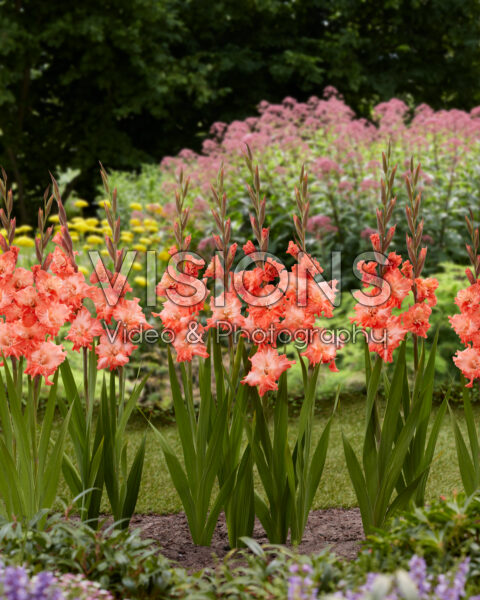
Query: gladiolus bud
column 470, row 275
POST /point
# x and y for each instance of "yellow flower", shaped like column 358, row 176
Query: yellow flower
column 141, row 281
column 54, row 219
column 104, row 252
column 135, row 222
column 81, row 226
column 94, row 240
column 127, row 236
column 164, row 255
column 150, row 224
column 92, row 221
column 139, row 247
column 138, row 229
column 146, row 241
column 107, row 202
column 136, row 206
column 137, row 266
column 74, row 235
column 23, row 229
column 24, row 241
column 80, row 204
column 84, row 270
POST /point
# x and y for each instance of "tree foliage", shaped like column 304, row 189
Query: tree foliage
column 126, row 81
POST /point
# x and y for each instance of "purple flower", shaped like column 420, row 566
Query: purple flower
column 15, row 583
column 449, row 586
column 300, row 584
column 418, row 573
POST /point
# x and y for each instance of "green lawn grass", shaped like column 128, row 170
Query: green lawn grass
column 157, row 494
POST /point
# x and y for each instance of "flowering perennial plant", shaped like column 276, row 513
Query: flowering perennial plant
column 414, row 583
column 466, row 325
column 101, row 447
column 266, row 316
column 400, row 280
column 397, row 450
column 16, row 584
column 341, row 154
column 38, row 307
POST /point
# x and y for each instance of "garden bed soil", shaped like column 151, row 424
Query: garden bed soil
column 340, row 529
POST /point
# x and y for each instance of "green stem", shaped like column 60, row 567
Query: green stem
column 121, row 385
column 85, row 379
column 415, row 353
column 14, row 370
column 36, row 394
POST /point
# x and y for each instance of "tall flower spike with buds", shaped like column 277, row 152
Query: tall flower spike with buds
column 42, row 240
column 318, row 350
column 112, row 241
column 467, row 323
column 374, row 311
column 179, row 227
column 423, row 289
column 222, row 240
column 303, row 207
column 416, row 254
column 383, row 239
column 226, row 309
column 473, row 250
column 114, row 351
column 64, row 239
column 258, row 219
column 6, row 218
column 180, row 308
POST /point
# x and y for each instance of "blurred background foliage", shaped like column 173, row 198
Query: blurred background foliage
column 128, row 81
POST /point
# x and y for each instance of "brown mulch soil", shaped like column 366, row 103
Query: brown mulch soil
column 340, row 529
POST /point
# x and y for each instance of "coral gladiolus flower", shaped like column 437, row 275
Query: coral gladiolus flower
column 188, row 343
column 467, row 326
column 83, row 330
column 384, row 341
column 10, row 343
column 267, row 366
column 374, row 317
column 45, row 360
column 52, row 316
column 130, row 315
column 416, row 319
column 113, row 353
column 426, row 290
column 8, row 260
column 387, row 330
column 61, row 265
column 320, row 352
column 468, row 361
column 228, row 314
column 400, row 287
